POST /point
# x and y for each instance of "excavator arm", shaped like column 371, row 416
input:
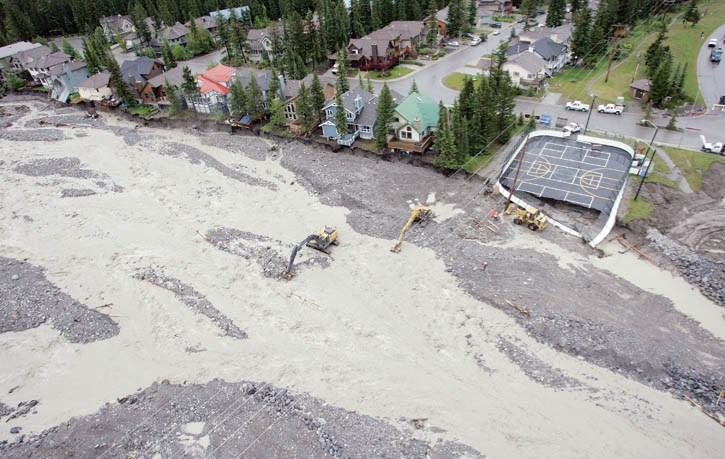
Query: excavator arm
column 287, row 274
column 419, row 213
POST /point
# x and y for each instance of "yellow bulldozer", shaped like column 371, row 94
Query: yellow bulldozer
column 321, row 240
column 420, row 214
column 529, row 216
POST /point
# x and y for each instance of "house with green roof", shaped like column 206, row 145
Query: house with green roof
column 414, row 121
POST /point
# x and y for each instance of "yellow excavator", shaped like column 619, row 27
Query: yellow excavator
column 321, row 240
column 529, row 216
column 420, row 214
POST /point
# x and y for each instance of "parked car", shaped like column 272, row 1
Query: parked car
column 335, row 68
column 572, row 128
column 476, row 41
column 722, row 100
column 496, row 25
column 577, row 105
column 496, row 32
column 468, row 35
column 453, row 44
column 610, row 108
column 712, row 43
column 540, row 12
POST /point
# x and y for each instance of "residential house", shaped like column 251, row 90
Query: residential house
column 406, row 36
column 260, row 43
column 440, row 20
column 361, row 112
column 213, row 90
column 95, row 88
column 23, row 60
column 133, row 39
column 640, row 90
column 290, row 91
column 415, row 120
column 65, row 77
column 555, row 54
column 116, row 25
column 526, row 69
column 174, row 77
column 137, row 72
column 175, row 34
column 8, row 53
column 207, row 23
column 560, row 34
column 243, row 13
column 39, row 68
column 371, row 54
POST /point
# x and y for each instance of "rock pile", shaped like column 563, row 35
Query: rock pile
column 697, row 269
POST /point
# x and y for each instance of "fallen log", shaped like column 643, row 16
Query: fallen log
column 707, row 413
column 629, row 246
column 523, row 311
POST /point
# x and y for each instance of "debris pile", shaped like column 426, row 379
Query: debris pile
column 697, row 269
column 193, row 299
column 28, row 299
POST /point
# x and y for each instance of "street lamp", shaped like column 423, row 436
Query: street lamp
column 591, row 108
column 657, row 128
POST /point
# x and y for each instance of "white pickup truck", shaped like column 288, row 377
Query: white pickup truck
column 611, row 108
column 712, row 147
column 577, row 105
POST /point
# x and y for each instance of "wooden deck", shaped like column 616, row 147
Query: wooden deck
column 417, row 147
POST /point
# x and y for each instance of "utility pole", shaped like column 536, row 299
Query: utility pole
column 635, row 69
column 589, row 115
column 518, row 169
column 654, row 151
column 611, row 56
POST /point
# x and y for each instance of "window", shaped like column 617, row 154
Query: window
column 516, row 74
column 367, row 129
column 406, row 133
column 289, row 112
column 330, row 113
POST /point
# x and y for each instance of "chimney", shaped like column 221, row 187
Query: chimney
column 531, row 47
column 416, row 124
column 282, row 87
column 375, row 53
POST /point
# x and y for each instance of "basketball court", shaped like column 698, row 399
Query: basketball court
column 563, row 169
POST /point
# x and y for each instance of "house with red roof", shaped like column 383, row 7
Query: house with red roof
column 213, row 90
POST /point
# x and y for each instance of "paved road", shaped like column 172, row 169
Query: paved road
column 711, row 76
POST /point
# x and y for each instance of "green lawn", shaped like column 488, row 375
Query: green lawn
column 692, row 164
column 455, row 80
column 685, row 41
column 143, row 111
column 638, row 210
column 395, row 72
column 476, row 163
column 573, row 81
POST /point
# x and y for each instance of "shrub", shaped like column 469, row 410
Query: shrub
column 15, row 82
column 411, row 62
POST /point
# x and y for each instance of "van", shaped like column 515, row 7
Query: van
column 335, row 68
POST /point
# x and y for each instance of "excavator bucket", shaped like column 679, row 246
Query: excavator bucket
column 419, row 214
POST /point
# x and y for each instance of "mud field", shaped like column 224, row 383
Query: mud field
column 143, row 313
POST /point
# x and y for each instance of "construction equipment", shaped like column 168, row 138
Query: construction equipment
column 531, row 217
column 321, row 240
column 420, row 214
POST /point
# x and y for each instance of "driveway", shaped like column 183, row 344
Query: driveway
column 710, row 75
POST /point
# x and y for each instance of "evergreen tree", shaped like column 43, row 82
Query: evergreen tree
column 356, row 27
column 317, row 96
column 277, row 120
column 340, row 116
column 370, row 87
column 444, row 141
column 117, row 83
column 455, row 17
column 580, row 37
column 502, row 96
column 303, row 107
column 672, row 124
column 168, row 56
column 313, row 39
column 692, row 15
column 481, row 121
column 655, row 51
column 89, row 56
column 365, row 17
column 431, row 36
column 528, row 8
column 238, row 100
column 459, row 124
column 176, row 103
column 360, row 81
column 385, row 110
column 138, row 17
column 674, row 90
column 680, row 84
column 413, row 87
column 255, row 98
column 188, row 86
column 472, row 10
column 69, row 49
column 342, row 84
column 555, row 15
column 54, row 47
column 660, row 82
column 576, row 5
column 273, row 88
column 466, row 102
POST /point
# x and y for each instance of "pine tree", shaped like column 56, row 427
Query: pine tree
column 461, row 134
column 360, row 81
column 117, row 83
column 502, row 96
column 413, row 87
column 692, row 15
column 443, row 141
column 386, row 108
column 655, row 51
column 580, row 37
column 680, row 85
column 238, row 100
column 303, row 107
column 317, row 96
column 53, row 46
column 556, row 13
column 365, row 15
column 455, row 18
column 342, row 84
column 69, row 49
column 356, row 27
column 340, row 116
column 277, row 120
column 672, row 124
column 576, row 5
column 481, row 121
column 431, row 36
column 466, row 101
column 528, row 8
column 273, row 88
column 168, row 55
column 176, row 103
column 138, row 17
column 255, row 98
column 472, row 10
column 370, row 87
column 188, row 86
column 660, row 82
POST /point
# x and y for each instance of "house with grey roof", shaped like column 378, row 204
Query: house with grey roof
column 560, row 34
column 39, row 68
column 116, row 25
column 95, row 88
column 361, row 111
column 25, row 59
column 243, row 13
column 260, row 42
column 65, row 77
column 137, row 72
column 555, row 54
column 290, row 90
column 526, row 69
column 174, row 77
column 8, row 54
column 406, row 36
